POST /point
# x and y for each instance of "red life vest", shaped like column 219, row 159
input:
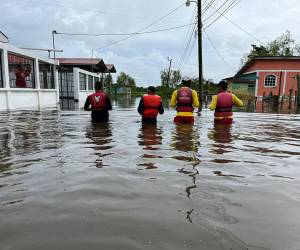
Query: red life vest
column 224, row 105
column 151, row 105
column 185, row 100
column 98, row 101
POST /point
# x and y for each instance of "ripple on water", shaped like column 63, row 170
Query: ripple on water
column 68, row 184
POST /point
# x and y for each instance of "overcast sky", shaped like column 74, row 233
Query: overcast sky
column 28, row 23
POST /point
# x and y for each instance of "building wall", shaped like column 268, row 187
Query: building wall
column 285, row 72
column 275, row 65
column 25, row 98
column 81, row 95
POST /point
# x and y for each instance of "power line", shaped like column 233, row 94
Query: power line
column 219, row 9
column 141, row 30
column 188, row 55
column 126, row 34
column 187, row 47
column 208, row 6
column 218, row 52
column 189, row 30
column 235, row 24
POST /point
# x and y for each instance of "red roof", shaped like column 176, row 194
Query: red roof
column 111, row 68
column 89, row 64
column 267, row 58
column 83, row 61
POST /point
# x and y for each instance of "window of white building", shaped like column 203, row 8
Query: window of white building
column 90, row 83
column 21, row 71
column 270, row 81
column 82, row 81
column 46, row 75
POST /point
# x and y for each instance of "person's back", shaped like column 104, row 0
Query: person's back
column 185, row 100
column 222, row 104
column 99, row 103
column 150, row 106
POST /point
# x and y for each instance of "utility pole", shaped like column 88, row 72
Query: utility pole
column 200, row 63
column 200, row 55
column 53, row 42
column 169, row 72
column 298, row 91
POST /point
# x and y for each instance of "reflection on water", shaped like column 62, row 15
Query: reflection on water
column 100, row 135
column 66, row 183
column 186, row 138
column 150, row 136
column 124, row 101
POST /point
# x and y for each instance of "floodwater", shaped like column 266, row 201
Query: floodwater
column 68, row 184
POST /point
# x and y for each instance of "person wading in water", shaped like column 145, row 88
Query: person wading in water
column 99, row 104
column 149, row 107
column 222, row 104
column 185, row 100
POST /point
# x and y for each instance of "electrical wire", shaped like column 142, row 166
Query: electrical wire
column 189, row 30
column 218, row 52
column 188, row 55
column 219, row 9
column 140, row 30
column 187, row 48
column 235, row 24
column 126, row 34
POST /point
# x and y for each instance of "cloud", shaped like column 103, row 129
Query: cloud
column 29, row 24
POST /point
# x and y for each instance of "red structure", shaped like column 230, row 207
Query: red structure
column 273, row 75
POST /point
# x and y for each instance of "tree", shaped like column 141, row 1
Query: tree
column 125, row 80
column 282, row 46
column 174, row 80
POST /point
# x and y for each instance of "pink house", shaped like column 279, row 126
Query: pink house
column 269, row 75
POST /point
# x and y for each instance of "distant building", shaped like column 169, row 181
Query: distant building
column 3, row 38
column 77, row 77
column 264, row 76
column 123, row 90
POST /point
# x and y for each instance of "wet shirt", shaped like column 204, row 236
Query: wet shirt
column 99, row 115
column 237, row 102
column 195, row 103
column 141, row 109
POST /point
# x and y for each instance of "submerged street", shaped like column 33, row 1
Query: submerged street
column 68, row 184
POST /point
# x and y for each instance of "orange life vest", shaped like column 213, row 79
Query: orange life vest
column 151, row 105
column 224, row 105
column 98, row 101
column 185, row 100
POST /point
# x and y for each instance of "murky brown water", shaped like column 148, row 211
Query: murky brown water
column 68, row 184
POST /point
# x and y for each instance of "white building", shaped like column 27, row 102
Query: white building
column 27, row 82
column 77, row 77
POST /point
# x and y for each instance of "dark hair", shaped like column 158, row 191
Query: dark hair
column 223, row 85
column 98, row 86
column 186, row 83
column 151, row 89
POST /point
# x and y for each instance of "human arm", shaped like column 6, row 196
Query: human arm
column 161, row 108
column 87, row 104
column 141, row 107
column 108, row 103
column 237, row 102
column 174, row 99
column 213, row 103
column 195, row 99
